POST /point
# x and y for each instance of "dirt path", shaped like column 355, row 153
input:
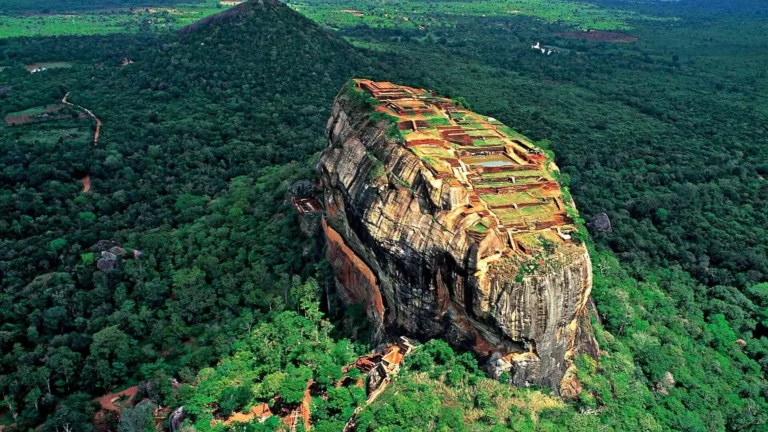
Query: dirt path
column 107, row 402
column 87, row 179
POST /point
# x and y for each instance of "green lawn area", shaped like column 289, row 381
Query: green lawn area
column 488, row 142
column 470, row 126
column 510, row 198
column 439, row 121
column 524, row 173
column 508, row 215
column 479, row 227
column 530, row 214
column 479, row 132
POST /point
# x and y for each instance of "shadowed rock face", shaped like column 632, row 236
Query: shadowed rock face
column 600, row 223
column 400, row 240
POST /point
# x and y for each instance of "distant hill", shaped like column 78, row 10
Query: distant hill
column 236, row 14
column 260, row 61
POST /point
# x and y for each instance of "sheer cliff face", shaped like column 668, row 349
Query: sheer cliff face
column 434, row 251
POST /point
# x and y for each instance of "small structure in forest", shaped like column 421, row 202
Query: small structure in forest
column 307, row 205
column 384, row 371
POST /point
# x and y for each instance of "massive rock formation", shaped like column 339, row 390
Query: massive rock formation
column 447, row 224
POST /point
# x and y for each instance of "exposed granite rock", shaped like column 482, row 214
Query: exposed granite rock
column 302, row 189
column 108, row 262
column 176, row 419
column 665, row 384
column 117, row 250
column 600, row 223
column 398, row 240
column 110, row 250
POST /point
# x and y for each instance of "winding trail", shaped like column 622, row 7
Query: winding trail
column 87, row 179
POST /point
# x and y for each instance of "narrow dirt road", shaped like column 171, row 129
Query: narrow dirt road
column 87, row 179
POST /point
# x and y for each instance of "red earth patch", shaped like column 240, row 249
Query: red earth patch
column 107, row 401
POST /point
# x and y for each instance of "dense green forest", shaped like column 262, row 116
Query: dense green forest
column 204, row 134
column 186, row 171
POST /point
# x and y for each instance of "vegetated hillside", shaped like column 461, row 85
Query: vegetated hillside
column 237, row 15
column 190, row 170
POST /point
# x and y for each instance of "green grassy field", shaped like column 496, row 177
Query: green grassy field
column 424, row 14
column 120, row 20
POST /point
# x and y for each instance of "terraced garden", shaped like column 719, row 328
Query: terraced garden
column 507, row 179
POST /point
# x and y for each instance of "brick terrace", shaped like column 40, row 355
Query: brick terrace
column 505, row 176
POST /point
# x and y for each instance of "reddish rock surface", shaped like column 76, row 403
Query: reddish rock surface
column 353, row 274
